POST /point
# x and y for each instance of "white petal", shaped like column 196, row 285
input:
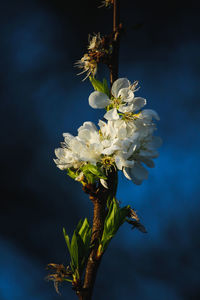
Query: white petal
column 88, row 125
column 118, row 85
column 154, row 154
column 76, row 146
column 104, row 183
column 126, row 95
column 106, row 143
column 126, row 172
column 110, row 150
column 111, row 114
column 101, row 123
column 60, row 153
column 139, row 172
column 129, row 163
column 136, row 180
column 98, row 100
column 84, row 135
column 149, row 114
column 122, row 133
column 138, row 103
column 67, row 137
column 126, row 108
column 119, row 162
column 63, row 167
column 148, row 162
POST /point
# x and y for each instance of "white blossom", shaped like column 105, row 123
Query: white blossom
column 85, row 147
column 125, row 140
column 122, row 99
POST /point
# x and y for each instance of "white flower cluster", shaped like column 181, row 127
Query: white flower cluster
column 125, row 140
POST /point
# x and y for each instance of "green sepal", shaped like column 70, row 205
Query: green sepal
column 72, row 173
column 92, row 173
column 100, row 86
column 96, row 171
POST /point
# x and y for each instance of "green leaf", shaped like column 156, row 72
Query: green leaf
column 85, row 234
column 115, row 218
column 84, row 230
column 106, row 88
column 74, row 251
column 100, row 86
column 83, row 227
column 81, row 252
column 80, row 246
column 67, row 241
column 79, row 226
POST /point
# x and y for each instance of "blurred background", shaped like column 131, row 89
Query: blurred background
column 42, row 97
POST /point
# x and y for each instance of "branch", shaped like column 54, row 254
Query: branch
column 114, row 66
column 99, row 199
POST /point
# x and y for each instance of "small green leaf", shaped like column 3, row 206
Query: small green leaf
column 106, row 88
column 100, row 86
column 84, row 230
column 83, row 227
column 85, row 234
column 74, row 251
column 79, row 248
column 67, row 241
column 115, row 218
column 79, row 226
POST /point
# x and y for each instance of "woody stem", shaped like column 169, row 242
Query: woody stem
column 114, row 64
column 99, row 201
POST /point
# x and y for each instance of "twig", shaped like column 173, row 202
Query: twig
column 99, row 200
column 99, row 213
column 114, row 66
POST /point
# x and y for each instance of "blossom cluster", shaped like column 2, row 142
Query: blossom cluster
column 124, row 140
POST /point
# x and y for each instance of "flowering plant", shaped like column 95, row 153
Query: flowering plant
column 123, row 141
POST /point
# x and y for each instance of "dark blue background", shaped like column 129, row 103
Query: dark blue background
column 41, row 97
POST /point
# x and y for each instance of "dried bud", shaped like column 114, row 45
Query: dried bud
column 60, row 273
column 99, row 50
column 133, row 215
column 106, row 3
column 88, row 64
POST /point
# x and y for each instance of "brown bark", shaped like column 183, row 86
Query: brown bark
column 99, row 200
column 93, row 262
